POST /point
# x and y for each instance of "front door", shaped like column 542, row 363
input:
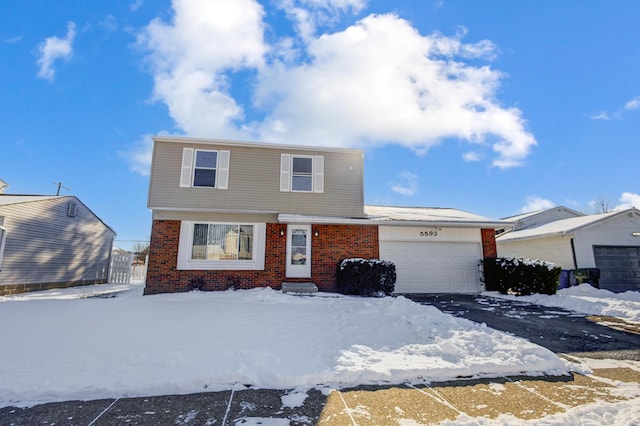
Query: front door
column 299, row 251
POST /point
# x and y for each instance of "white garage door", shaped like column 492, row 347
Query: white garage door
column 430, row 267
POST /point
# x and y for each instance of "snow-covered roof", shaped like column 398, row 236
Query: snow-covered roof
column 404, row 216
column 6, row 200
column 562, row 226
column 527, row 215
column 440, row 216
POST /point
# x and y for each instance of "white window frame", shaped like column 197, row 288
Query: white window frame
column 188, row 168
column 195, row 168
column 286, row 173
column 185, row 249
column 3, row 239
column 310, row 175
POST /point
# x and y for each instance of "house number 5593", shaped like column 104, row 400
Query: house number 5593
column 428, row 233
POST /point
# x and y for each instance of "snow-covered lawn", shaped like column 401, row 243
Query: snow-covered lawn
column 589, row 300
column 64, row 344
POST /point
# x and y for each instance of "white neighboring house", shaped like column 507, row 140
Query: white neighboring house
column 435, row 250
column 51, row 242
column 607, row 241
column 540, row 217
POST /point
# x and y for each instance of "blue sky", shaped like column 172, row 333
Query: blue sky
column 495, row 107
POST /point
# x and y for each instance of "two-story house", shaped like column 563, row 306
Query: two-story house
column 227, row 213
column 235, row 214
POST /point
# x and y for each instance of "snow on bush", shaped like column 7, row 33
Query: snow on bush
column 512, row 275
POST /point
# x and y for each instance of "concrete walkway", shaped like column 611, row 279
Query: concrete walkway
column 522, row 397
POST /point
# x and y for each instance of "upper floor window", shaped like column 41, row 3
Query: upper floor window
column 204, row 168
column 204, row 172
column 301, row 173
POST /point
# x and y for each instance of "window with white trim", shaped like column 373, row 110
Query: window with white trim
column 218, row 241
column 221, row 246
column 203, row 168
column 301, row 173
column 3, row 237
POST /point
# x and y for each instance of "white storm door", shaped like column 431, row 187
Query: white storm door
column 299, row 251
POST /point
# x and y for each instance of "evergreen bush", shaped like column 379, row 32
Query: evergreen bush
column 514, row 275
column 366, row 277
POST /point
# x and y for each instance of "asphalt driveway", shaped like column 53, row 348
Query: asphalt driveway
column 557, row 329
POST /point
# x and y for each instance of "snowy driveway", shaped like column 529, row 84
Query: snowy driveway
column 559, row 330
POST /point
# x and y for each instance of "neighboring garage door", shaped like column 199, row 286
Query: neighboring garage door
column 434, row 267
column 619, row 267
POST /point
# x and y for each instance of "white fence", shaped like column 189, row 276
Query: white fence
column 120, row 270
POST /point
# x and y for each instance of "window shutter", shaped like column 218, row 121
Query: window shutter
column 285, row 172
column 223, row 170
column 318, row 174
column 186, row 170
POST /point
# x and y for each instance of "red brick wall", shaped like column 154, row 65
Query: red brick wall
column 337, row 242
column 333, row 243
column 489, row 248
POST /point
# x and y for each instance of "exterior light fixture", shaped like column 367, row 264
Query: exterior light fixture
column 281, row 232
column 635, row 234
column 316, row 233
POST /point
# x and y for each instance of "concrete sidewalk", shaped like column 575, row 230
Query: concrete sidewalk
column 522, row 397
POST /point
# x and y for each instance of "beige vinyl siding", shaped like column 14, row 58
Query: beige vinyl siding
column 216, row 217
column 44, row 245
column 254, row 182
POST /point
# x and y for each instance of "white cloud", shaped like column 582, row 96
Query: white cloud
column 377, row 82
column 405, row 184
column 307, row 15
column 472, row 156
column 628, row 200
column 603, row 115
column 190, row 56
column 54, row 48
column 535, row 203
column 109, row 23
column 633, row 103
column 139, row 157
column 12, row 40
column 137, row 4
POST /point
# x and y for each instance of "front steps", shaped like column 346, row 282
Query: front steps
column 299, row 288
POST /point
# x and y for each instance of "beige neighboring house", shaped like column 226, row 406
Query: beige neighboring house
column 607, row 241
column 50, row 242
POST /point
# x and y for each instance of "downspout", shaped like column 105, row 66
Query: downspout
column 573, row 253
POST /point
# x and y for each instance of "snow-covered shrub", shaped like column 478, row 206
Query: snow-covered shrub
column 520, row 276
column 366, row 277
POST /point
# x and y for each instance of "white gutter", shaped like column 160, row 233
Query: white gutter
column 535, row 236
column 199, row 210
column 302, row 219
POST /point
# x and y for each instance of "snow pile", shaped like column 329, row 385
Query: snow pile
column 62, row 349
column 588, row 300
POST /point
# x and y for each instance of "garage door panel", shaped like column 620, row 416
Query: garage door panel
column 434, row 267
column 619, row 267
